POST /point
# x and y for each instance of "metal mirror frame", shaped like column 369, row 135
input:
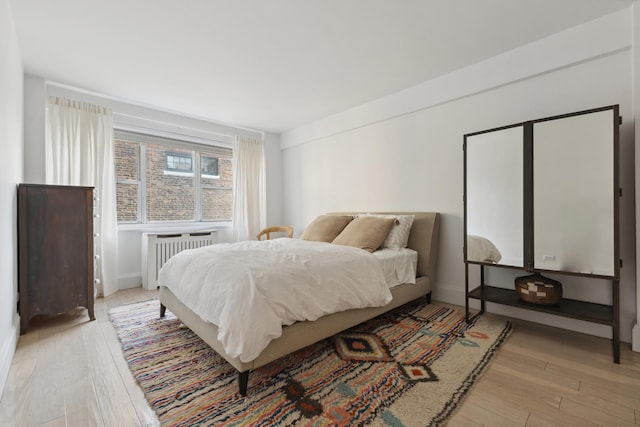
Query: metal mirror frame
column 528, row 180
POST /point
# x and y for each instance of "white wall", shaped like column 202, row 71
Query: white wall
column 274, row 179
column 34, row 122
column 11, row 172
column 37, row 90
column 404, row 152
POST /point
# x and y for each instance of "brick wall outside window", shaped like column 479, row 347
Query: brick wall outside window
column 126, row 156
column 217, row 194
column 171, row 196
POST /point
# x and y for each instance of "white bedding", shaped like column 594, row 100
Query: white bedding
column 251, row 289
column 399, row 265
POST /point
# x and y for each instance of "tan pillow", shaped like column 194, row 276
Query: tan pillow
column 366, row 233
column 325, row 228
column 399, row 234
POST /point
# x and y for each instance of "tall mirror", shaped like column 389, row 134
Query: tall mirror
column 573, row 196
column 494, row 196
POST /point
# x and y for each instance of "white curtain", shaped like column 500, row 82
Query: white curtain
column 248, row 188
column 79, row 151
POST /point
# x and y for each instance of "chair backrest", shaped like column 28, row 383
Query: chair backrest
column 278, row 229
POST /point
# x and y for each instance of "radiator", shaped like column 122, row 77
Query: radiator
column 158, row 248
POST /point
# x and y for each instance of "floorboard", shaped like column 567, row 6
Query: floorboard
column 68, row 371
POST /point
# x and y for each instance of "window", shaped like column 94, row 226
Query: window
column 178, row 162
column 156, row 180
column 209, row 166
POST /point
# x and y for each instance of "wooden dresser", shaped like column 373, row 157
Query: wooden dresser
column 55, row 247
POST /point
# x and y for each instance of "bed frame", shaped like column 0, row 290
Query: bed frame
column 423, row 239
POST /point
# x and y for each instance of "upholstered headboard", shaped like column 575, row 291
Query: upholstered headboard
column 422, row 239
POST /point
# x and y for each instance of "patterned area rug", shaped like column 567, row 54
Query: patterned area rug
column 410, row 367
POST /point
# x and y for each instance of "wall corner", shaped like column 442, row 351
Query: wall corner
column 635, row 24
column 635, row 338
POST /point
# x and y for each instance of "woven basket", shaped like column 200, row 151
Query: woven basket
column 538, row 289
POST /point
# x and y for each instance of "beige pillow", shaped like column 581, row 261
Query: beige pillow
column 399, row 234
column 366, row 233
column 325, row 228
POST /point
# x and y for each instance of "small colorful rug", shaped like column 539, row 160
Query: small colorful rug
column 410, row 367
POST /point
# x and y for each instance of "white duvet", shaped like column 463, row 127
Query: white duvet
column 251, row 289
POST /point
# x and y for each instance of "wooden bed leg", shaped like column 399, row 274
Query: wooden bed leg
column 243, row 381
column 163, row 309
column 429, row 298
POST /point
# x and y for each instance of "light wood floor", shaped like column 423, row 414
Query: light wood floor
column 68, row 371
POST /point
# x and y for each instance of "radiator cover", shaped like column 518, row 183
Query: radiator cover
column 157, row 248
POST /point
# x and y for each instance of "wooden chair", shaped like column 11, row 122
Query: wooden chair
column 278, row 229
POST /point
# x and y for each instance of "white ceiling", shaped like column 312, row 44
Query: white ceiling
column 275, row 64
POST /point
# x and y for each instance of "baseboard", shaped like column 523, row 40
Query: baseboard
column 128, row 281
column 453, row 295
column 9, row 344
column 635, row 338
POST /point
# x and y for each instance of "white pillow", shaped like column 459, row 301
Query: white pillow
column 399, row 234
column 482, row 250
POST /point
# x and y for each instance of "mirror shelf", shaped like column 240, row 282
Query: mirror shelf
column 542, row 196
column 581, row 310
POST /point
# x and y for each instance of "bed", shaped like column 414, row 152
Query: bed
column 423, row 239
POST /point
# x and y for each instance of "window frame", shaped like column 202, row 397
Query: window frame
column 198, row 147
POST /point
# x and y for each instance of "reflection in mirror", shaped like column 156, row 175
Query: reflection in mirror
column 572, row 198
column 494, row 198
